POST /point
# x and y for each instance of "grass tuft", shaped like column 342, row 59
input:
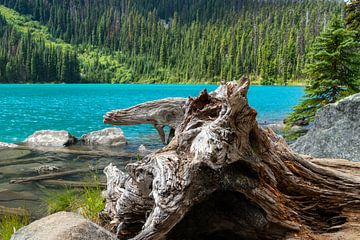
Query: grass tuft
column 10, row 223
column 67, row 200
column 87, row 201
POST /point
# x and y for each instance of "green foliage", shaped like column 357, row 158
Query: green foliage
column 88, row 201
column 68, row 200
column 290, row 134
column 99, row 66
column 92, row 203
column 333, row 71
column 353, row 16
column 10, row 223
column 169, row 41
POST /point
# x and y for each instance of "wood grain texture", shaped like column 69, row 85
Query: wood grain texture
column 224, row 177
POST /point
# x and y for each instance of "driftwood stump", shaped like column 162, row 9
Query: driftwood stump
column 224, row 177
column 159, row 113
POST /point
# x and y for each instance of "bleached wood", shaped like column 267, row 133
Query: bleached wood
column 223, row 176
column 159, row 113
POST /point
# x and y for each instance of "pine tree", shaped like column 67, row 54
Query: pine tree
column 333, row 71
column 353, row 16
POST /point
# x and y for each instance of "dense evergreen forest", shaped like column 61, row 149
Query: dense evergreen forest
column 122, row 41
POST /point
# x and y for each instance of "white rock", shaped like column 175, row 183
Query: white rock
column 142, row 148
column 7, row 145
column 61, row 226
column 50, row 138
column 276, row 127
column 109, row 137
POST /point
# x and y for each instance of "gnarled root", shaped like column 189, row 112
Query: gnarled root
column 223, row 176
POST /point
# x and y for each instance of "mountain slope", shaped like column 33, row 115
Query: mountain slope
column 29, row 53
column 190, row 40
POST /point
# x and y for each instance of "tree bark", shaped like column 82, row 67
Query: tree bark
column 224, row 177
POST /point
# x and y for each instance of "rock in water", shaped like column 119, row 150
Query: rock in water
column 278, row 128
column 143, row 150
column 335, row 133
column 7, row 145
column 109, row 137
column 51, row 138
column 60, row 226
column 46, row 169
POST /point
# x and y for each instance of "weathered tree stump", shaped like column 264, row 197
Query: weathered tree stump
column 159, row 113
column 224, row 177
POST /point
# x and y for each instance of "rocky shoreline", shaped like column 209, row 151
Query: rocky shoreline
column 334, row 135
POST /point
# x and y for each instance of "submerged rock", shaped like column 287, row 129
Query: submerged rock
column 51, row 138
column 9, row 154
column 7, row 145
column 60, row 226
column 45, row 169
column 109, row 137
column 335, row 133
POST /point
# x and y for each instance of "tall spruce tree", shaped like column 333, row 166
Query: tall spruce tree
column 353, row 16
column 333, row 71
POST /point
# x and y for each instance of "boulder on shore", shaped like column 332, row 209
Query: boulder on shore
column 7, row 145
column 50, row 138
column 108, row 137
column 335, row 132
column 278, row 128
column 60, row 226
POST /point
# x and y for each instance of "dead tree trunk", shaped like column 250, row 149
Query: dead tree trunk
column 159, row 113
column 224, row 177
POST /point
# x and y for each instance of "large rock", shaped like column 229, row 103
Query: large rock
column 51, row 138
column 335, row 133
column 7, row 145
column 60, row 226
column 108, row 137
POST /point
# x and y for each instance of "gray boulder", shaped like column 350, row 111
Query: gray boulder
column 51, row 138
column 60, row 226
column 108, row 137
column 278, row 128
column 335, row 133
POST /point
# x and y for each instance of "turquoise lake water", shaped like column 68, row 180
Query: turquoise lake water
column 79, row 109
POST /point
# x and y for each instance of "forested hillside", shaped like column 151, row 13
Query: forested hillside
column 161, row 41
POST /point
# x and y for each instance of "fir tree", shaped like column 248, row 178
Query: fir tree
column 333, row 71
column 353, row 16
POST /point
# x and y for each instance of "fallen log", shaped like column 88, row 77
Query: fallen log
column 224, row 177
column 79, row 184
column 159, row 113
column 27, row 160
column 53, row 175
column 90, row 152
